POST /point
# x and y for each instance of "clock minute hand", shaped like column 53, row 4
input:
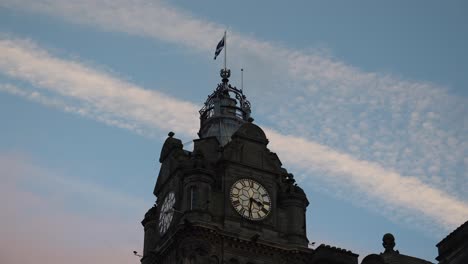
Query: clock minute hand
column 250, row 207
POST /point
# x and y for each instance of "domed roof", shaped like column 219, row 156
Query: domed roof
column 251, row 131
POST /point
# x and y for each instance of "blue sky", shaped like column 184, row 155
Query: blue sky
column 365, row 102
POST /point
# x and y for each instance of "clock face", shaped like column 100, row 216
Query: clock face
column 250, row 199
column 167, row 212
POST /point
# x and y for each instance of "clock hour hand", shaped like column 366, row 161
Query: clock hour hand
column 259, row 204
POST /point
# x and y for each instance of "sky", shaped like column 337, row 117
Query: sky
column 365, row 102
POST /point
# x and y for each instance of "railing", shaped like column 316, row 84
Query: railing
column 226, row 91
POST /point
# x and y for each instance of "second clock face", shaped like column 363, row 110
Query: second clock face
column 167, row 212
column 250, row 199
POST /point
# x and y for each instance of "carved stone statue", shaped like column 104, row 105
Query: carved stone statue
column 388, row 242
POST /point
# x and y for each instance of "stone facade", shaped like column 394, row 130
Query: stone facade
column 206, row 228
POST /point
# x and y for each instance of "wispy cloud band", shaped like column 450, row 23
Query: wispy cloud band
column 382, row 187
column 107, row 95
column 130, row 104
column 415, row 128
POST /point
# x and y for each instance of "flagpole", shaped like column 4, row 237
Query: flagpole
column 242, row 80
column 225, row 48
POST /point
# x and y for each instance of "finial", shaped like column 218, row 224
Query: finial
column 171, row 134
column 250, row 120
column 388, row 242
column 290, row 178
column 225, row 74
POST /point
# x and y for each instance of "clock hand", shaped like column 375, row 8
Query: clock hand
column 250, row 207
column 259, row 204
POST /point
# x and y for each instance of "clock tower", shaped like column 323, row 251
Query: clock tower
column 229, row 200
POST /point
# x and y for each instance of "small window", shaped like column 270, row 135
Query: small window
column 193, row 197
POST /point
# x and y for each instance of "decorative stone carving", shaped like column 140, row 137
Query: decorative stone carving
column 170, row 145
column 388, row 242
column 195, row 251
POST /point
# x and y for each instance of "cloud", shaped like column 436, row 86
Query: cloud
column 381, row 186
column 65, row 105
column 97, row 92
column 154, row 19
column 415, row 128
column 42, row 222
column 369, row 183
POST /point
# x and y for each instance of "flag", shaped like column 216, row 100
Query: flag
column 220, row 46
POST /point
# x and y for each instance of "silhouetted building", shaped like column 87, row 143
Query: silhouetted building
column 390, row 255
column 454, row 248
column 229, row 200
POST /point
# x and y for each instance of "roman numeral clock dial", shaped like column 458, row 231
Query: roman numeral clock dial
column 167, row 212
column 250, row 199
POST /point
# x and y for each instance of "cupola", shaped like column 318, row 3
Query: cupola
column 224, row 111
